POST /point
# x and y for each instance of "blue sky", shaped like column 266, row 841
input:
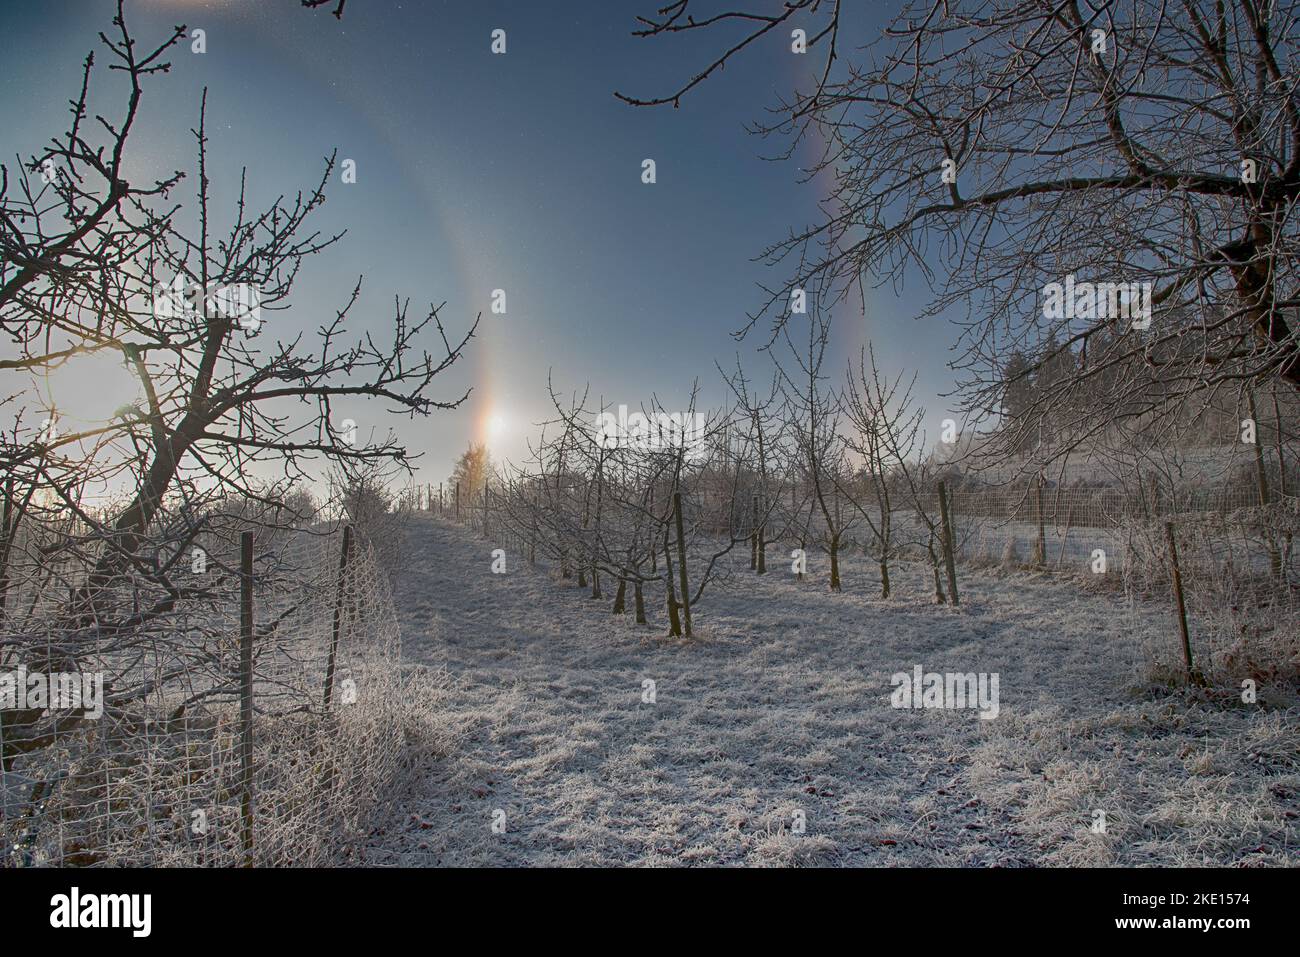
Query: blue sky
column 476, row 172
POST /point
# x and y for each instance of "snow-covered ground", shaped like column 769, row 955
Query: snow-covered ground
column 779, row 712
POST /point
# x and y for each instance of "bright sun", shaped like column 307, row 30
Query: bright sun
column 496, row 426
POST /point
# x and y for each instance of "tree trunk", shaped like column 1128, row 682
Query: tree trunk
column 674, row 623
column 681, row 564
column 939, row 597
column 132, row 522
column 654, row 552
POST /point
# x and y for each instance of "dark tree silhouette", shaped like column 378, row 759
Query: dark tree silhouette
column 992, row 147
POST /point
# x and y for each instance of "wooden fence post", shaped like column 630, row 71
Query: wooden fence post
column 1261, row 472
column 246, row 691
column 753, row 537
column 1182, row 606
column 1281, row 485
column 485, row 509
column 338, row 617
column 458, row 501
column 1261, row 482
column 1042, row 523
column 946, row 514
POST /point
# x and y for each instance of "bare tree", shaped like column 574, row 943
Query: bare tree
column 766, row 435
column 338, row 6
column 891, row 442
column 613, row 505
column 228, row 408
column 815, row 425
column 185, row 312
column 1149, row 151
column 872, row 406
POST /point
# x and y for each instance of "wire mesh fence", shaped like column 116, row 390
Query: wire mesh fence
column 1085, row 529
column 1036, row 523
column 202, row 734
column 1232, row 581
column 1231, row 557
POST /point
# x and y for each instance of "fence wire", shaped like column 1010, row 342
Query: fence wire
column 1240, row 571
column 159, row 778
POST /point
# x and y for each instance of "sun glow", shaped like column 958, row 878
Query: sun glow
column 495, row 429
column 91, row 389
